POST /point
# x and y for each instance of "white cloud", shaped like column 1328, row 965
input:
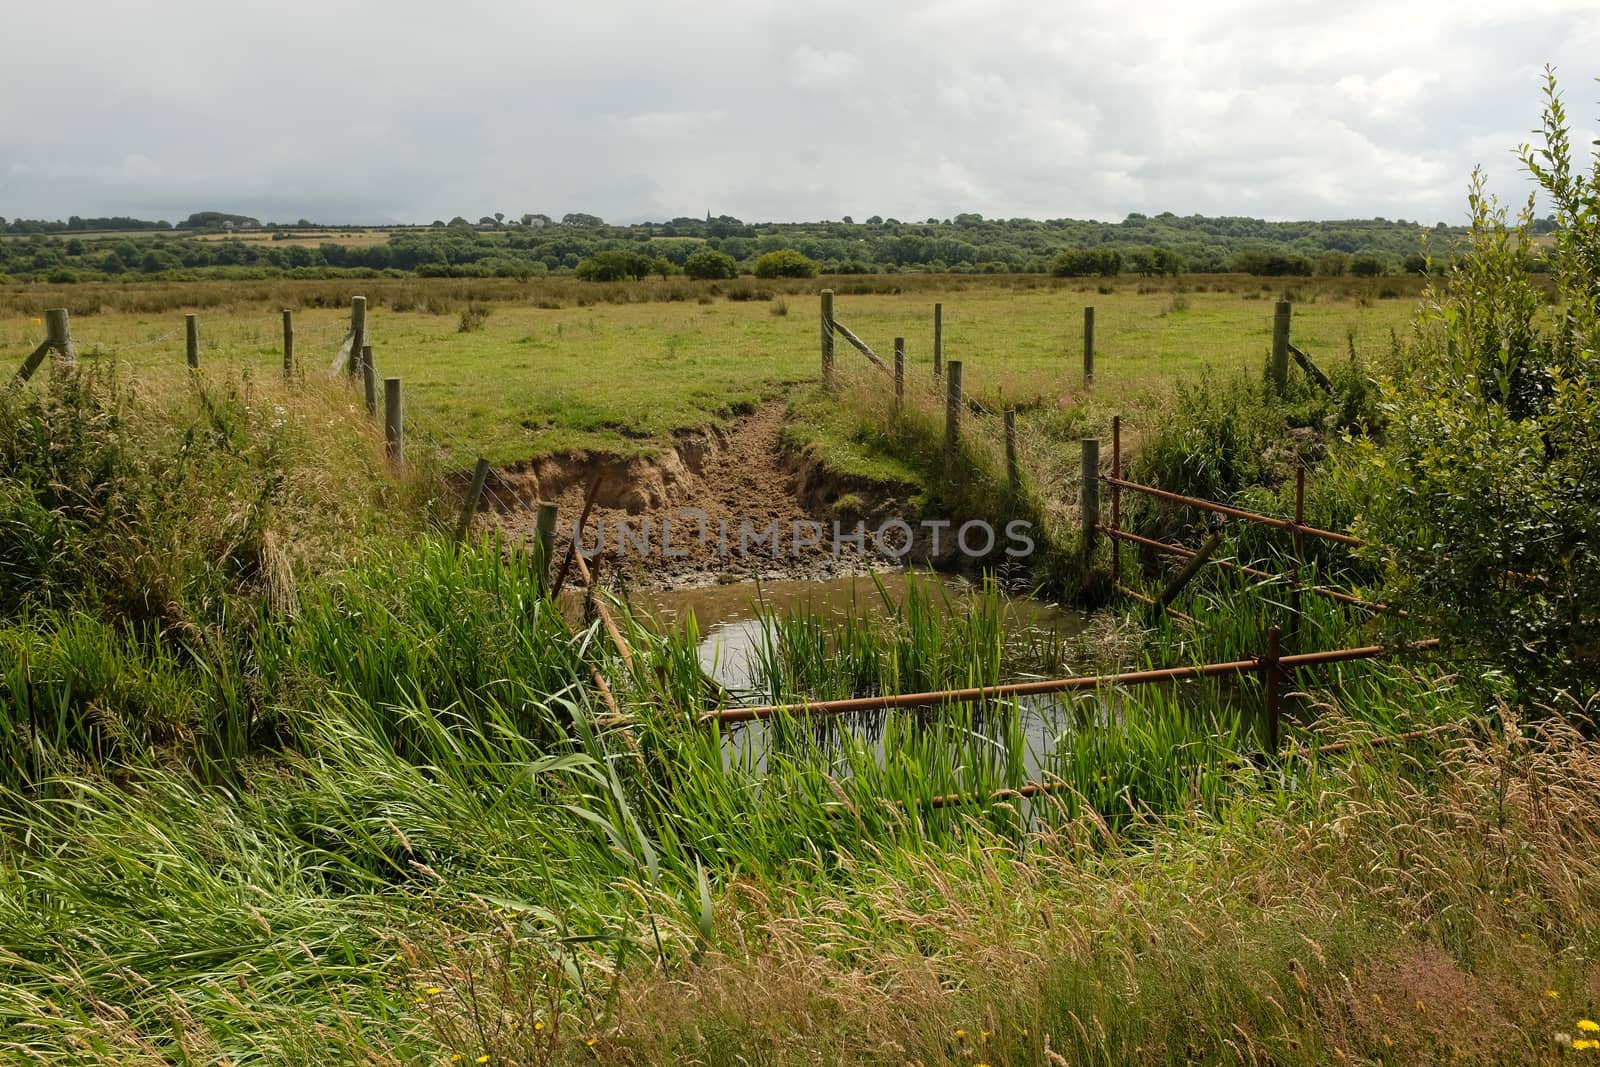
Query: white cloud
column 414, row 110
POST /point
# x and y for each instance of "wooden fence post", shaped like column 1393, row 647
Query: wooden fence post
column 58, row 332
column 57, row 343
column 469, row 507
column 1271, row 673
column 288, row 344
column 899, row 372
column 393, row 422
column 358, row 330
column 1089, row 495
column 1088, row 347
column 827, row 338
column 938, row 340
column 1116, row 496
column 191, row 330
column 1013, row 471
column 369, row 380
column 952, row 409
column 1185, row 575
column 544, row 541
column 1280, row 347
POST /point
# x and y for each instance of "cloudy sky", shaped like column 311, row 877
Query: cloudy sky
column 410, row 110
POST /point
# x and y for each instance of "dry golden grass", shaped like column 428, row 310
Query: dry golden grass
column 1388, row 914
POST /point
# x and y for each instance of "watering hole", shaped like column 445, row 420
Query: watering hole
column 738, row 624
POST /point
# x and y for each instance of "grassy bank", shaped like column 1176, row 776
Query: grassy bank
column 288, row 777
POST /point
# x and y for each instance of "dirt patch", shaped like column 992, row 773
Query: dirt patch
column 719, row 505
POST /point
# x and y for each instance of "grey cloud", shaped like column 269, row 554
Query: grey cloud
column 409, row 110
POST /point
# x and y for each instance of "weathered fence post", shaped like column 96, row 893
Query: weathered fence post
column 58, row 333
column 191, row 329
column 358, row 330
column 1280, row 347
column 899, row 372
column 1089, row 496
column 1185, row 575
column 938, row 340
column 1116, row 496
column 369, row 380
column 393, row 422
column 952, row 409
column 827, row 338
column 544, row 540
column 57, row 341
column 1013, row 471
column 1088, row 347
column 288, row 344
column 1271, row 673
column 469, row 506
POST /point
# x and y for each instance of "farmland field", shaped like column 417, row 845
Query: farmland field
column 621, row 377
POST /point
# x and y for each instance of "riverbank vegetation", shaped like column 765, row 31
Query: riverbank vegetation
column 289, row 776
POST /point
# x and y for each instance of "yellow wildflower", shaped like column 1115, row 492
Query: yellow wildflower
column 482, row 1059
column 1589, row 1025
column 592, row 1042
column 1552, row 994
column 434, row 991
column 960, row 1033
column 538, row 1026
column 1586, row 1043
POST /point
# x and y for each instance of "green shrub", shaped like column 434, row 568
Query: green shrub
column 1486, row 499
column 786, row 263
column 710, row 265
column 1086, row 262
column 614, row 266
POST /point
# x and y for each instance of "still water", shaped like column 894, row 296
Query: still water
column 735, row 621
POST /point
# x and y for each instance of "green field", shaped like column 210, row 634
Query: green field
column 621, row 377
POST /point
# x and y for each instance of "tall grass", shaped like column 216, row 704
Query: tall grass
column 360, row 800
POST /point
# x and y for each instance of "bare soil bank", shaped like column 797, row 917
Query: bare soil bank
column 719, row 505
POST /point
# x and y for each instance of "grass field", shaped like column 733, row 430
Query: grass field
column 621, row 377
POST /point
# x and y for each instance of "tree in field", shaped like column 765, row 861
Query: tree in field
column 786, row 263
column 710, row 265
column 1485, row 495
column 1086, row 262
column 1366, row 265
column 663, row 266
column 614, row 266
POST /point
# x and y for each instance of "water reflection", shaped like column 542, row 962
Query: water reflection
column 738, row 624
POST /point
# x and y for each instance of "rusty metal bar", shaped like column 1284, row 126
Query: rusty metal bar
column 577, row 536
column 1039, row 688
column 1320, row 590
column 1271, row 677
column 1116, row 495
column 1247, row 516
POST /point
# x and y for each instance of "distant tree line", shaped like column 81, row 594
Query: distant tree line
column 584, row 245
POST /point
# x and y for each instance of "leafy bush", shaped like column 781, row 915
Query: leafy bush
column 1085, row 262
column 786, row 263
column 1269, row 263
column 710, row 265
column 614, row 266
column 1486, row 500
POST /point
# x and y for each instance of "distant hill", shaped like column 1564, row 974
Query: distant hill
column 533, row 244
